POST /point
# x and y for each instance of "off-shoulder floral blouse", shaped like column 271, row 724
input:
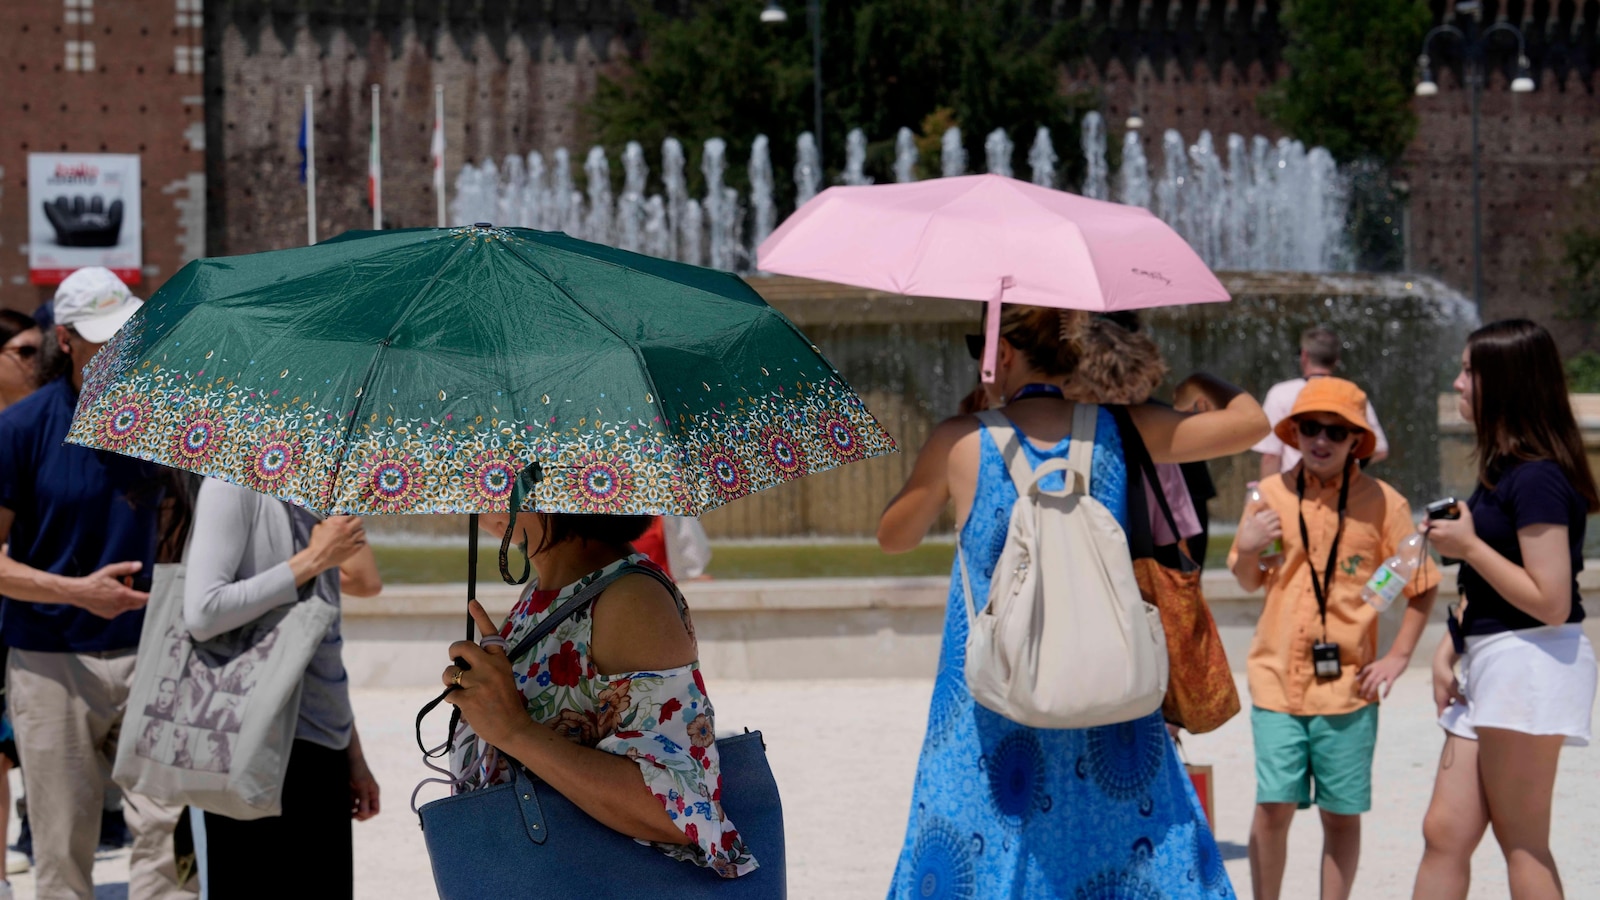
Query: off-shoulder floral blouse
column 661, row 720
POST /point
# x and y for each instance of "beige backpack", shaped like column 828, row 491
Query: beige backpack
column 1066, row 640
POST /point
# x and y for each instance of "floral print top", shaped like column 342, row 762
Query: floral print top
column 661, row 720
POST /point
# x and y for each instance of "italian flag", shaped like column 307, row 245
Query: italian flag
column 374, row 170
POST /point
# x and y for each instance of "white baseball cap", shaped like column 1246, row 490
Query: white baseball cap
column 95, row 303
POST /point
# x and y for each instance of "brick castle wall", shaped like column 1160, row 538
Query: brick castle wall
column 512, row 88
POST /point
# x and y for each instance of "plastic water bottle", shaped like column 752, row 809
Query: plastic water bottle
column 1272, row 555
column 1396, row 572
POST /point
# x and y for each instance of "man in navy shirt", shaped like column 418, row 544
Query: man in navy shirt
column 82, row 526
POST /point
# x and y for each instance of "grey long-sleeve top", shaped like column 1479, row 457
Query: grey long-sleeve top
column 238, row 570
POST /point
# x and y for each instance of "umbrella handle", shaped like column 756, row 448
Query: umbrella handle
column 991, row 332
column 472, row 571
column 527, row 480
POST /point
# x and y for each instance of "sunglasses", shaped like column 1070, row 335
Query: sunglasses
column 24, row 351
column 1337, row 433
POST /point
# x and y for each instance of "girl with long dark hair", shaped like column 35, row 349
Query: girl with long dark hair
column 1515, row 680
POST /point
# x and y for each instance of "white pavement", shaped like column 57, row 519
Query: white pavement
column 845, row 752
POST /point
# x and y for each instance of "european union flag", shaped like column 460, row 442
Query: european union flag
column 301, row 144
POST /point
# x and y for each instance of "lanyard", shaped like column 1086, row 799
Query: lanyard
column 1035, row 389
column 1323, row 586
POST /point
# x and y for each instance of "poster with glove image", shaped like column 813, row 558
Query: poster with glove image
column 83, row 210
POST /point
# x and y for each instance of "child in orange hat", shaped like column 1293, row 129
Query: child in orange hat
column 1314, row 670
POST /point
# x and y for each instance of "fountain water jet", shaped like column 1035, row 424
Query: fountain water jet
column 855, row 158
column 1135, row 174
column 630, row 206
column 1042, row 158
column 998, row 150
column 1096, row 185
column 807, row 169
column 766, row 213
column 905, row 156
column 677, row 188
column 952, row 155
column 690, row 238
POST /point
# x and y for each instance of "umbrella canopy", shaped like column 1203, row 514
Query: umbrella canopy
column 421, row 371
column 992, row 239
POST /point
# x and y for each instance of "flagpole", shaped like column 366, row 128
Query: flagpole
column 376, row 168
column 311, row 170
column 438, row 163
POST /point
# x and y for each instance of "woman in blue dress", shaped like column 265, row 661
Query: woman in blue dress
column 1001, row 809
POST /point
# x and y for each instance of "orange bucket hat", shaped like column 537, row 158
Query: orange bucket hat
column 1331, row 395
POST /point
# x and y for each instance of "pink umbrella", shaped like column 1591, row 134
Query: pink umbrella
column 991, row 239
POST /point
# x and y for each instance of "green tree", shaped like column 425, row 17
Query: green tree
column 1351, row 65
column 1580, row 281
column 1348, row 88
column 720, row 72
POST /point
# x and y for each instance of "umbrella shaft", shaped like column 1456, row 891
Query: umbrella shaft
column 472, row 567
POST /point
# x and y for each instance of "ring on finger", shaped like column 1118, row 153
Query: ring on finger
column 455, row 679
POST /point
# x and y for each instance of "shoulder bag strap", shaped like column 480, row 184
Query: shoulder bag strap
column 585, row 596
column 1138, row 458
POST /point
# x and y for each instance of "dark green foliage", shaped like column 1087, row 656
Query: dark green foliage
column 1583, row 372
column 1351, row 67
column 1375, row 218
column 721, row 72
column 1580, row 281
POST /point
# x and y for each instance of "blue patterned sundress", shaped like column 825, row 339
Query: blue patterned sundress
column 1004, row 810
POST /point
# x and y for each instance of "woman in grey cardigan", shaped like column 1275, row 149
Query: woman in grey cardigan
column 251, row 554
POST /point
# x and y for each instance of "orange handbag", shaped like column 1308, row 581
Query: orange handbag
column 1201, row 694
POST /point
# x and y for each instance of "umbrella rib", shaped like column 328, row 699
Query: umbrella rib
column 633, row 346
column 372, row 367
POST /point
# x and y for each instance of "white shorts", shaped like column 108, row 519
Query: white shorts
column 1536, row 681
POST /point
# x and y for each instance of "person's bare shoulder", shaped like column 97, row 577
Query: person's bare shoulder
column 637, row 628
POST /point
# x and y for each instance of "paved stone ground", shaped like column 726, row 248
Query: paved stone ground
column 846, row 817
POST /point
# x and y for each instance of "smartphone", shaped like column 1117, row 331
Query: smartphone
column 1448, row 508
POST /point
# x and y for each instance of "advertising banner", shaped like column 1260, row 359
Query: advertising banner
column 83, row 210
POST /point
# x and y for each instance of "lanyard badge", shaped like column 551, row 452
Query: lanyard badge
column 1325, row 661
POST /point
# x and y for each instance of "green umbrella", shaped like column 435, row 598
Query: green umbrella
column 451, row 370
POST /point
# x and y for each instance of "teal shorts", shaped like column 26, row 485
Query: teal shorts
column 1334, row 753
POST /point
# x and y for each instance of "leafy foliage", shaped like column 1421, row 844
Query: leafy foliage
column 1351, row 64
column 721, row 72
column 1581, row 277
column 1583, row 372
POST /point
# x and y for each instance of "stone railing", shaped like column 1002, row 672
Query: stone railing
column 812, row 628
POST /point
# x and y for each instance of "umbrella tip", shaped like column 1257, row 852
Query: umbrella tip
column 482, row 224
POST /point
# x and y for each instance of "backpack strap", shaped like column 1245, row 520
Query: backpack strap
column 1009, row 442
column 1080, row 457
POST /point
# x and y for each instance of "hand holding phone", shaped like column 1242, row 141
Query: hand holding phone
column 1448, row 508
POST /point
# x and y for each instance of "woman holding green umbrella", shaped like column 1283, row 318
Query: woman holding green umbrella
column 613, row 693
column 494, row 371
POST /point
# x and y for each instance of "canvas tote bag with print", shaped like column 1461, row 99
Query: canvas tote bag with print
column 1066, row 639
column 210, row 723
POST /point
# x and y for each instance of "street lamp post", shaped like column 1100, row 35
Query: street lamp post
column 1474, row 47
column 775, row 14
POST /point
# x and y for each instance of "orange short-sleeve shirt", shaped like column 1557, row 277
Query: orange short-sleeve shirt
column 1377, row 519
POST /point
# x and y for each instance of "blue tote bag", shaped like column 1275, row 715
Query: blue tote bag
column 525, row 840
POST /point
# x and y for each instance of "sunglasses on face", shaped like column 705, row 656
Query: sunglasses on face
column 1310, row 428
column 24, row 351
